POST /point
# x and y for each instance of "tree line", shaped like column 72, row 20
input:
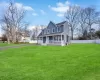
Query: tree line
column 82, row 20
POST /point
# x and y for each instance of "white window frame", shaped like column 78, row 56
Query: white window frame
column 58, row 29
column 53, row 30
column 45, row 31
column 48, row 31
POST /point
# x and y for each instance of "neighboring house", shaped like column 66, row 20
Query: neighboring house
column 55, row 34
column 31, row 36
column 35, row 32
column 25, row 37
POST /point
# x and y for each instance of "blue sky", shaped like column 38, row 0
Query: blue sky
column 40, row 12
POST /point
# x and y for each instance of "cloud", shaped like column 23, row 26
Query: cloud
column 60, row 8
column 27, row 8
column 4, row 5
column 31, row 27
column 60, row 15
column 34, row 14
column 39, row 27
column 43, row 12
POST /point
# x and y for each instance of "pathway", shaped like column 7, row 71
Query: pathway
column 14, row 46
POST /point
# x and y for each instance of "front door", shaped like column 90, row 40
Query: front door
column 44, row 39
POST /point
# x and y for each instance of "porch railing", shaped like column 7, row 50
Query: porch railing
column 54, row 42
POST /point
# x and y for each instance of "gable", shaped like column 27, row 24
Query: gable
column 53, row 28
column 51, row 25
column 61, row 23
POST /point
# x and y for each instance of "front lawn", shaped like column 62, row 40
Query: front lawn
column 11, row 44
column 5, row 44
column 73, row 62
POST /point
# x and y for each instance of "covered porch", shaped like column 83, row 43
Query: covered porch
column 55, row 39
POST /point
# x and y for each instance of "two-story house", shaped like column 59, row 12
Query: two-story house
column 55, row 34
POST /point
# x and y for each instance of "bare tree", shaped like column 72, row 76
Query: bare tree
column 92, row 17
column 82, row 21
column 23, row 32
column 72, row 17
column 98, row 22
column 12, row 21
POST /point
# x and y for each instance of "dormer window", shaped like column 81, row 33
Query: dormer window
column 58, row 29
column 45, row 31
column 48, row 31
column 53, row 30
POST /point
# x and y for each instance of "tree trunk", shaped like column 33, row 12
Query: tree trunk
column 8, row 40
column 90, row 32
column 8, row 37
column 72, row 34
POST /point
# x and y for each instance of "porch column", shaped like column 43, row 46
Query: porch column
column 65, row 39
column 41, row 41
column 47, row 39
column 53, row 39
column 62, row 41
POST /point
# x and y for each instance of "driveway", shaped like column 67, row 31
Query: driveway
column 14, row 46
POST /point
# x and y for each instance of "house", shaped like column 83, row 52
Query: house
column 25, row 36
column 30, row 36
column 55, row 34
column 35, row 31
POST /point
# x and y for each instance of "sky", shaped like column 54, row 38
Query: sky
column 41, row 12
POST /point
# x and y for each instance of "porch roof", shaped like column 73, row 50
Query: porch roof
column 51, row 35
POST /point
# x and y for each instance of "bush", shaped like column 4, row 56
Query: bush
column 98, row 33
column 82, row 38
column 4, row 38
column 21, row 43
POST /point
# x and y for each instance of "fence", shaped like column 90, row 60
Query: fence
column 86, row 41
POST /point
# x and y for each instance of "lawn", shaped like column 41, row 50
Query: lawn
column 73, row 62
column 5, row 44
column 11, row 44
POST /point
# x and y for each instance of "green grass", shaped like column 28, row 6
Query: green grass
column 73, row 62
column 5, row 44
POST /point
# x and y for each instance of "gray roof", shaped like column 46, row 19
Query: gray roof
column 58, row 24
column 61, row 23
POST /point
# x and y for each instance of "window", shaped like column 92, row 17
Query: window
column 40, row 38
column 45, row 31
column 53, row 30
column 48, row 31
column 58, row 29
